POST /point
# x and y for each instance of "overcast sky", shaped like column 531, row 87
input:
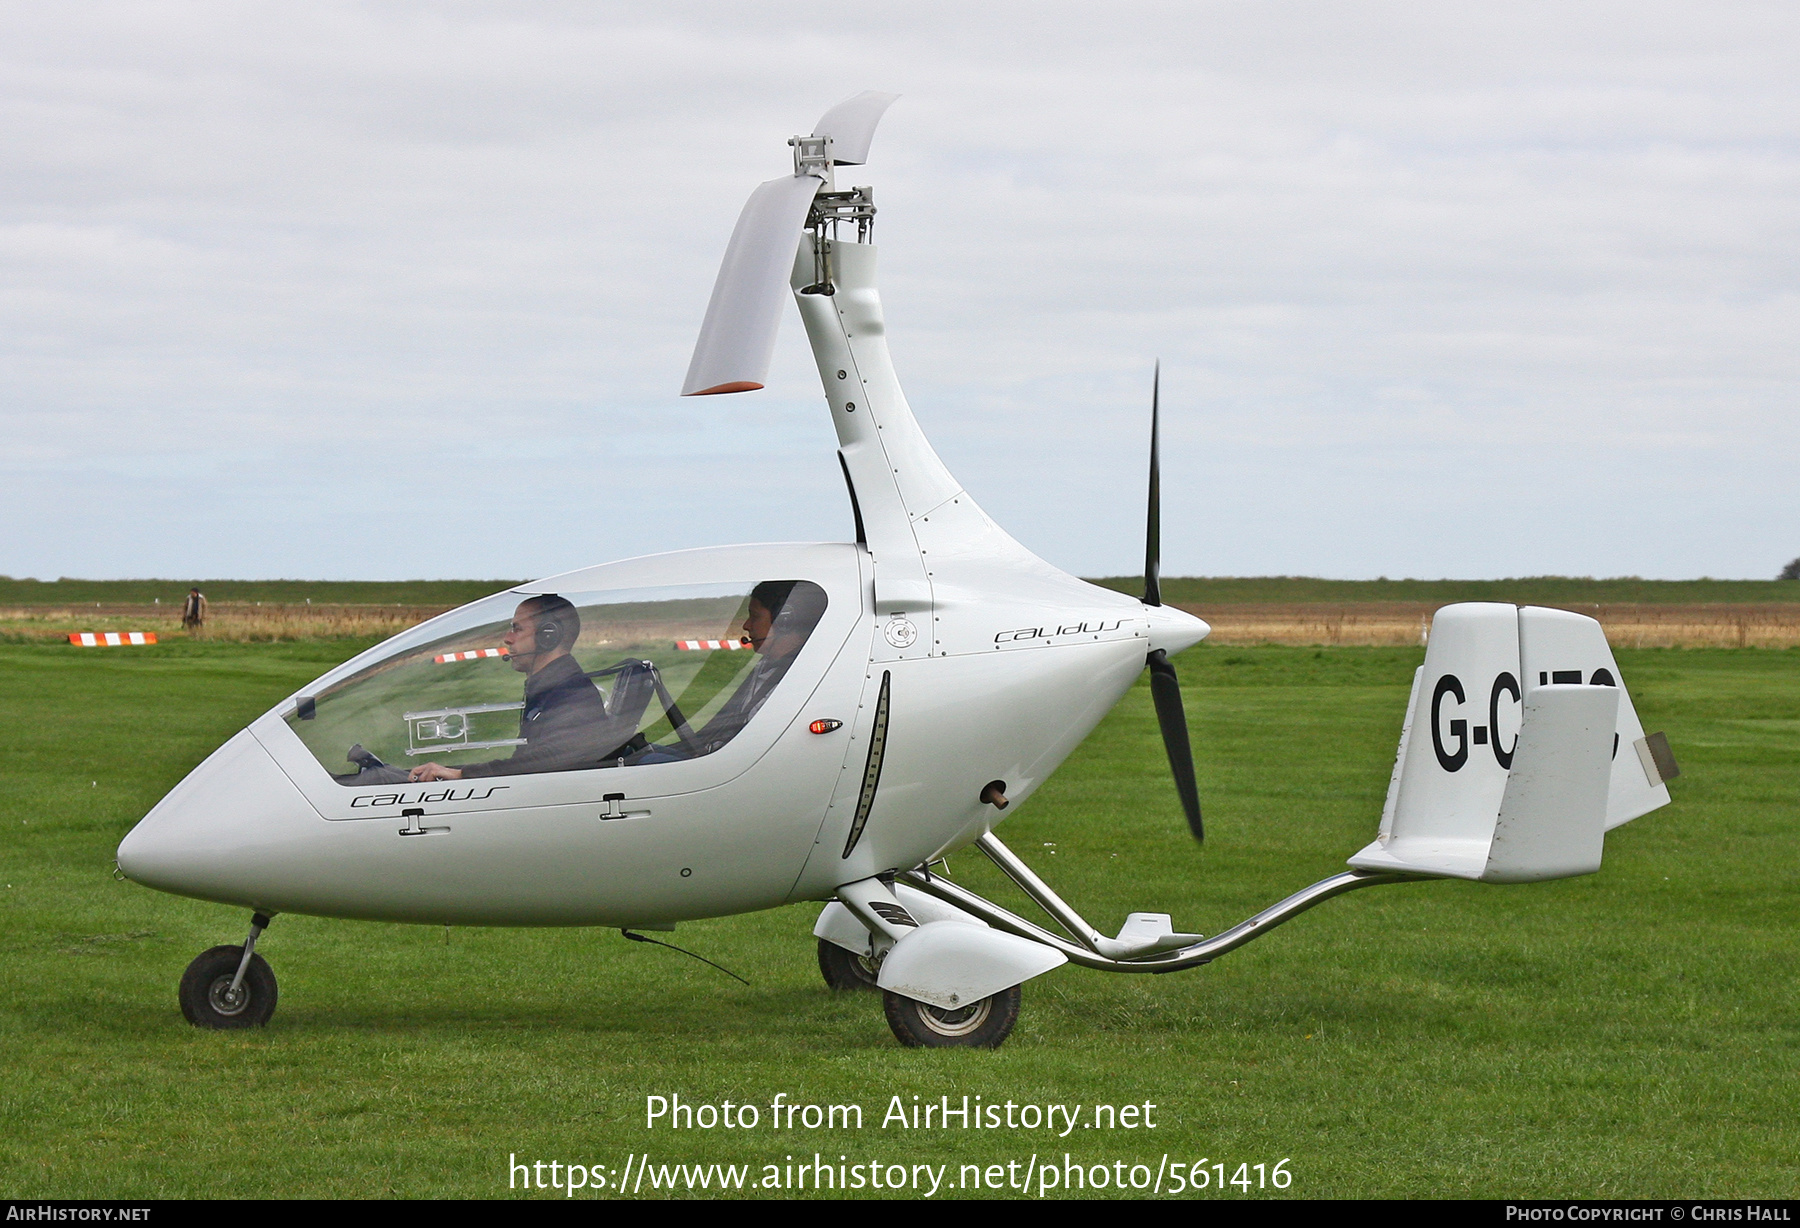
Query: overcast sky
column 396, row 290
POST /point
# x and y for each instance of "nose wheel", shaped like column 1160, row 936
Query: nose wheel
column 230, row 987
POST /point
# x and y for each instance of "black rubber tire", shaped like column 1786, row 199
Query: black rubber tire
column 844, row 971
column 204, row 999
column 980, row 1025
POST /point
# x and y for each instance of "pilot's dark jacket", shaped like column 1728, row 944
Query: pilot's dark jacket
column 562, row 724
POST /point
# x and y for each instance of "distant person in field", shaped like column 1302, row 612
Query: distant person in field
column 193, row 610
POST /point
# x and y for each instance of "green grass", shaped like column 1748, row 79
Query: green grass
column 1629, row 1034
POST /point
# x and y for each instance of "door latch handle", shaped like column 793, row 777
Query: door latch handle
column 415, row 828
column 615, row 809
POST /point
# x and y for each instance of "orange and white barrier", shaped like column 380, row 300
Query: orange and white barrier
column 711, row 645
column 475, row 655
column 110, row 639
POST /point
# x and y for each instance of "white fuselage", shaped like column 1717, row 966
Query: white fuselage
column 996, row 666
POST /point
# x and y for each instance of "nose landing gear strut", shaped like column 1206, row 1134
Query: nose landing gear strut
column 230, row 987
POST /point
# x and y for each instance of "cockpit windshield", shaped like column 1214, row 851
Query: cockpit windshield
column 552, row 682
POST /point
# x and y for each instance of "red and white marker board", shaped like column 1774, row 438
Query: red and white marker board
column 473, row 655
column 110, row 639
column 710, row 645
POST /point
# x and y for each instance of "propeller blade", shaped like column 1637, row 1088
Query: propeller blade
column 1165, row 689
column 851, row 126
column 737, row 339
column 1153, row 524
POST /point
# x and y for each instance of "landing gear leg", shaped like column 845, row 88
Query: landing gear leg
column 230, row 987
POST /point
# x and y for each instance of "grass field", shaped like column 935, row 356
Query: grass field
column 1630, row 1034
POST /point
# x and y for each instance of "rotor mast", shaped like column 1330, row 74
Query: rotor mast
column 802, row 230
column 895, row 473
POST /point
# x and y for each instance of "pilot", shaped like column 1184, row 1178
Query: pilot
column 563, row 707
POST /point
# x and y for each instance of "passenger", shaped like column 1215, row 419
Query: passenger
column 564, row 710
column 781, row 617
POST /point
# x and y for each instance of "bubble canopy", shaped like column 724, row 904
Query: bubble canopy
column 522, row 683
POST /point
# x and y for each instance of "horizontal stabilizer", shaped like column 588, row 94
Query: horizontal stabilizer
column 1510, row 766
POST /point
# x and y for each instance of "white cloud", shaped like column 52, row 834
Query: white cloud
column 1439, row 289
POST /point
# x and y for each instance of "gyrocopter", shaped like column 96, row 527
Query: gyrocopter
column 717, row 731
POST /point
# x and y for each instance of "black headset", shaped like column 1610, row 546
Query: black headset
column 549, row 635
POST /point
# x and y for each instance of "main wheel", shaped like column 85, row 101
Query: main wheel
column 206, row 997
column 981, row 1024
column 843, row 970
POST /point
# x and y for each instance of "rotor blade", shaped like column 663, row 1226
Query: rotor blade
column 1166, row 691
column 851, row 126
column 1153, row 524
column 737, row 339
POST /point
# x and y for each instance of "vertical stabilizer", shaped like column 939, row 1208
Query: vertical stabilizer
column 1519, row 750
column 1459, row 741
